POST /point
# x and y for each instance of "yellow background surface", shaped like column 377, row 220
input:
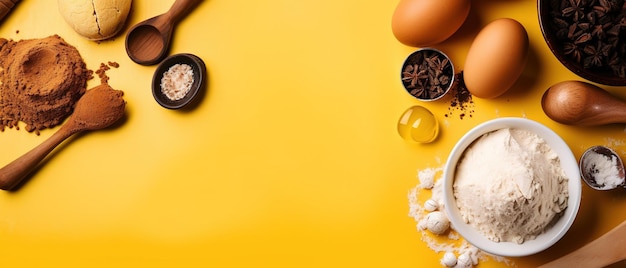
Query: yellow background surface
column 290, row 159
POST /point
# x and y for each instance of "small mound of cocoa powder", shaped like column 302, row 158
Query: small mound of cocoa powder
column 40, row 82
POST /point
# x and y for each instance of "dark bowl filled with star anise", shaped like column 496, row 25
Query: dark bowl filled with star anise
column 587, row 36
column 427, row 74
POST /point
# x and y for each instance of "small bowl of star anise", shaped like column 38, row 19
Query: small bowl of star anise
column 587, row 36
column 427, row 74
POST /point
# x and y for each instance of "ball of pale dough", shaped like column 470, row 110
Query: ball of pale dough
column 437, row 222
column 464, row 261
column 95, row 19
column 431, row 205
column 448, row 260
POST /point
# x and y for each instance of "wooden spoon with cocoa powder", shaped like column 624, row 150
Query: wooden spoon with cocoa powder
column 98, row 108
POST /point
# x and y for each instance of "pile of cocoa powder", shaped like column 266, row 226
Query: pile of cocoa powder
column 40, row 82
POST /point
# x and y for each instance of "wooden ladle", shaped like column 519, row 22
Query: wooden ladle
column 147, row 42
column 601, row 252
column 99, row 108
column 581, row 103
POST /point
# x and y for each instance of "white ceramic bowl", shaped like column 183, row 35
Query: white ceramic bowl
column 553, row 233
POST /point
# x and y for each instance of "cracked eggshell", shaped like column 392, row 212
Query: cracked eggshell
column 95, row 19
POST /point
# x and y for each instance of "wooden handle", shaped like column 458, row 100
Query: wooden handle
column 180, row 9
column 580, row 103
column 6, row 7
column 13, row 173
column 9, row 3
column 605, row 250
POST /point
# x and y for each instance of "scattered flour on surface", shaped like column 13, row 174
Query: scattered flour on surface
column 611, row 142
column 615, row 144
column 449, row 243
column 427, row 177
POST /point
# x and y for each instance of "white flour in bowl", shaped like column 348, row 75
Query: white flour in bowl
column 510, row 186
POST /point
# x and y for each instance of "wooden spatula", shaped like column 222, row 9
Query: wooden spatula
column 604, row 251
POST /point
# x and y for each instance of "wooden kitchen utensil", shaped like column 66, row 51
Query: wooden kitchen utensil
column 580, row 103
column 99, row 108
column 147, row 42
column 601, row 252
column 6, row 6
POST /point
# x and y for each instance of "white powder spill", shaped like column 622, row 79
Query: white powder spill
column 448, row 244
column 615, row 144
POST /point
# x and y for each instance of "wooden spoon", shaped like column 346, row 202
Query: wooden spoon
column 601, row 252
column 6, row 6
column 99, row 108
column 148, row 42
column 581, row 103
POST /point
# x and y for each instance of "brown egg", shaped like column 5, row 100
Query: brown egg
column 496, row 58
column 421, row 23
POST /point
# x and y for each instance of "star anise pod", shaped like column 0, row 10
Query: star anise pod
column 437, row 63
column 418, row 92
column 575, row 10
column 572, row 50
column 413, row 75
column 595, row 55
column 618, row 66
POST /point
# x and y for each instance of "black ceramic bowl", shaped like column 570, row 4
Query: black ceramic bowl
column 199, row 77
column 585, row 40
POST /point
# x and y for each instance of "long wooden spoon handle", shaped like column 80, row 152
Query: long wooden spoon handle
column 603, row 251
column 6, row 7
column 13, row 173
column 180, row 8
